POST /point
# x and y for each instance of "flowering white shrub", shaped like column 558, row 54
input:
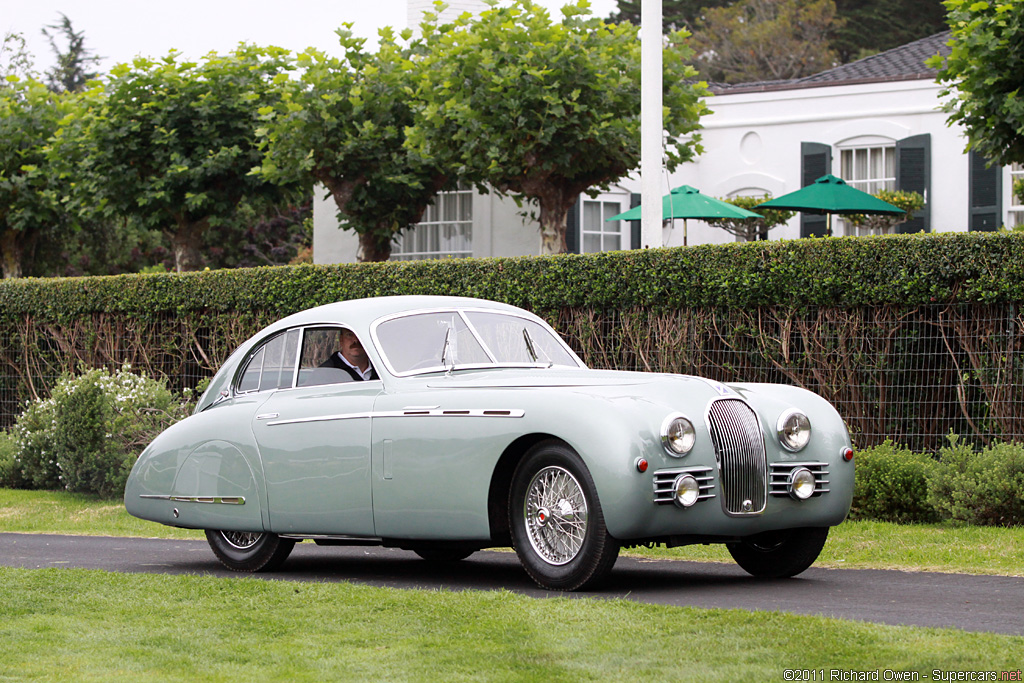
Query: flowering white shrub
column 87, row 435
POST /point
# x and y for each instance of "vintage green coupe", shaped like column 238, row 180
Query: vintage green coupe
column 479, row 427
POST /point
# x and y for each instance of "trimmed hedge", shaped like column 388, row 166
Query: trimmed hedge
column 908, row 336
column 835, row 272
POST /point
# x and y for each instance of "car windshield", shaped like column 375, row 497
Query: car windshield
column 428, row 342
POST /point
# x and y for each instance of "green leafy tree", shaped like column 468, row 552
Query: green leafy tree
column 756, row 40
column 871, row 26
column 171, row 144
column 751, row 229
column 31, row 215
column 881, row 224
column 983, row 73
column 545, row 111
column 71, row 72
column 343, row 124
column 676, row 14
column 15, row 59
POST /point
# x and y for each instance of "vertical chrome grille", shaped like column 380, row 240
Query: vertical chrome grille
column 739, row 448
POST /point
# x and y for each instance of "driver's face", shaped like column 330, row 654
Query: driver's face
column 352, row 350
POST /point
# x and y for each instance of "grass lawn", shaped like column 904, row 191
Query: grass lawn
column 82, row 625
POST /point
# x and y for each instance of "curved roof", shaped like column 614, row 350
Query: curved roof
column 362, row 312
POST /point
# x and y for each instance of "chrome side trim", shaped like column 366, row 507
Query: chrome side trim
column 410, row 412
column 221, row 500
column 333, row 537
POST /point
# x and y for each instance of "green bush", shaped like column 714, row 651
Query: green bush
column 891, row 485
column 985, row 488
column 33, row 432
column 10, row 475
column 87, row 435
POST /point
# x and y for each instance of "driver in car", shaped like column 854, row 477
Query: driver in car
column 351, row 358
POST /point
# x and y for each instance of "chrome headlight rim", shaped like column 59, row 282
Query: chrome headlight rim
column 678, row 435
column 794, row 438
column 802, row 483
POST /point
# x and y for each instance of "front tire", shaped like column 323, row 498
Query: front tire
column 244, row 551
column 779, row 554
column 557, row 525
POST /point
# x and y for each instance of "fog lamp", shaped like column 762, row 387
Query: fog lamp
column 801, row 483
column 687, row 490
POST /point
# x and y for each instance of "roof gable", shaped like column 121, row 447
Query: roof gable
column 903, row 63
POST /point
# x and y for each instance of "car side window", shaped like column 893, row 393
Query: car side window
column 319, row 344
column 272, row 366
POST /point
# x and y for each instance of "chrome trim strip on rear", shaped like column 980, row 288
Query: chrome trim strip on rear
column 221, row 500
column 410, row 412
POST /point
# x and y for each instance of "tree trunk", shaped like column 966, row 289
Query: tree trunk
column 554, row 211
column 10, row 249
column 187, row 244
column 372, row 247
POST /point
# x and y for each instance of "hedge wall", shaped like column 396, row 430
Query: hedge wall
column 838, row 272
column 848, row 317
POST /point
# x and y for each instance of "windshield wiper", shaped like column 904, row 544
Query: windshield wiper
column 446, row 345
column 530, row 348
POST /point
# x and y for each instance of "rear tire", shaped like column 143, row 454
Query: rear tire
column 779, row 554
column 244, row 551
column 557, row 525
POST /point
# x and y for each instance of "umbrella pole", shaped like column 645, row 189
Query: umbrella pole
column 684, row 232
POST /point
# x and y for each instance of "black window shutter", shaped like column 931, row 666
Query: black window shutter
column 815, row 161
column 572, row 228
column 634, row 226
column 913, row 174
column 985, row 191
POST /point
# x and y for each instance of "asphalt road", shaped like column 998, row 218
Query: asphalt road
column 972, row 603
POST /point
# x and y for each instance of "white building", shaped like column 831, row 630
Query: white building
column 876, row 122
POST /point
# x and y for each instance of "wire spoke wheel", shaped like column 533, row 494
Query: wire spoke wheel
column 249, row 551
column 557, row 526
column 242, row 540
column 556, row 515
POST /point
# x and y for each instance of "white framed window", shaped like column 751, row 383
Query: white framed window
column 446, row 230
column 1015, row 217
column 868, row 168
column 597, row 233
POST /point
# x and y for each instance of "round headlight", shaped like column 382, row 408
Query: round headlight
column 687, row 490
column 794, row 430
column 801, row 483
column 677, row 435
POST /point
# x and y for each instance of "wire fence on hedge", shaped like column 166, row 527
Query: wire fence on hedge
column 909, row 374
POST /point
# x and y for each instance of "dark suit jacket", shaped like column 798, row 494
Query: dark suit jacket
column 335, row 362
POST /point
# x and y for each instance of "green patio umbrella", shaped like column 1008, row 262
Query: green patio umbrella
column 687, row 202
column 828, row 195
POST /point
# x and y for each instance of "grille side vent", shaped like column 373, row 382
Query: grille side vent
column 739, row 448
column 664, row 493
column 778, row 484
